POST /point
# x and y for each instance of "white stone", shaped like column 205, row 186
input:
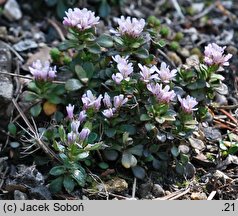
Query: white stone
column 12, row 10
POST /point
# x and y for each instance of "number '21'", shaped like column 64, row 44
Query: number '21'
column 229, row 207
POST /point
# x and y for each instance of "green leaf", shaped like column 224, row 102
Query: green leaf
column 118, row 40
column 61, row 8
column 62, row 134
column 169, row 118
column 32, row 86
column 56, row 185
column 57, row 170
column 136, row 150
column 149, row 127
column 91, row 147
column 139, row 172
column 36, row 110
column 58, row 147
column 67, row 44
column 128, row 160
column 30, row 96
column 12, row 129
column 142, row 53
column 180, row 168
column 110, row 155
column 175, row 151
column 79, row 176
column 145, row 117
column 128, row 128
column 80, row 72
column 92, row 137
column 94, row 48
column 233, row 149
column 105, row 41
column 73, row 85
column 82, row 155
column 199, row 84
column 103, row 165
column 69, row 183
column 110, row 132
column 104, row 9
column 161, row 43
column 59, row 89
column 54, row 99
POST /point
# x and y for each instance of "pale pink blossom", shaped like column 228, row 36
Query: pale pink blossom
column 82, row 116
column 163, row 95
column 70, row 111
column 80, row 19
column 214, row 55
column 119, row 101
column 120, row 60
column 124, row 67
column 131, row 26
column 117, row 78
column 187, row 103
column 147, row 74
column 107, row 100
column 109, row 113
column 165, row 75
column 83, row 135
column 42, row 71
column 75, row 126
column 90, row 101
column 71, row 137
column 154, row 88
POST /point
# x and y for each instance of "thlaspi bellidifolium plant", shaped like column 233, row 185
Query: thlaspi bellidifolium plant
column 131, row 109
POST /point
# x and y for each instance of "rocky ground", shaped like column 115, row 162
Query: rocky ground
column 26, row 36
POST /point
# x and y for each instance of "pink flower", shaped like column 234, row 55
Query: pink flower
column 71, row 137
column 89, row 100
column 131, row 26
column 42, row 71
column 120, row 60
column 83, row 135
column 109, row 113
column 80, row 19
column 107, row 100
column 119, row 100
column 147, row 73
column 70, row 111
column 82, row 116
column 154, row 88
column 125, row 69
column 117, row 78
column 163, row 95
column 187, row 103
column 214, row 55
column 165, row 74
column 75, row 126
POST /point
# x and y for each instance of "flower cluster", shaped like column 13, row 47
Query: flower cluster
column 74, row 135
column 214, row 55
column 147, row 74
column 42, row 71
column 163, row 95
column 80, row 19
column 90, row 101
column 124, row 67
column 165, row 75
column 118, row 101
column 131, row 26
column 187, row 103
